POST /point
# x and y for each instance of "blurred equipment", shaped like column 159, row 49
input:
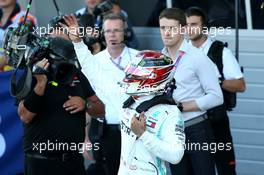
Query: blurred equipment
column 24, row 48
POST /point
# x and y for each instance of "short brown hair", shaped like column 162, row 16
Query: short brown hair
column 114, row 16
column 174, row 13
column 197, row 11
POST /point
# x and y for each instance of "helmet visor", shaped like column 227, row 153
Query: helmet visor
column 154, row 62
column 137, row 71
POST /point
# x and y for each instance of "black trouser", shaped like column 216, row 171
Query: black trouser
column 111, row 148
column 54, row 166
column 225, row 159
column 194, row 161
column 95, row 135
column 108, row 156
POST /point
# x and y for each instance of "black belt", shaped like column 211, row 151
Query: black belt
column 196, row 120
column 112, row 127
column 61, row 156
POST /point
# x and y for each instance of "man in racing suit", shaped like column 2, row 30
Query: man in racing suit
column 152, row 128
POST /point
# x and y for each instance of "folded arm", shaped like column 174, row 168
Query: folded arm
column 169, row 145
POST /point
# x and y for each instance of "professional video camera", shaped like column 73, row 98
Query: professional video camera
column 102, row 8
column 86, row 20
column 24, row 48
column 96, row 21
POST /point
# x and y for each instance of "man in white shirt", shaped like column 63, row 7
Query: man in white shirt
column 104, row 70
column 231, row 80
column 197, row 89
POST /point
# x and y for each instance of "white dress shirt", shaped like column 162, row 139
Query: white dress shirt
column 104, row 76
column 231, row 68
column 196, row 80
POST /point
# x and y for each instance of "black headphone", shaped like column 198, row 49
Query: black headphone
column 127, row 32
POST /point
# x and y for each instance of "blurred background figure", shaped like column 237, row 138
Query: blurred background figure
column 92, row 16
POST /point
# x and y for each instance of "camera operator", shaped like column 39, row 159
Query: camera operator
column 98, row 9
column 11, row 15
column 53, row 114
column 104, row 70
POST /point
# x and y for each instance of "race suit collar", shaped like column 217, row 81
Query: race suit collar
column 141, row 99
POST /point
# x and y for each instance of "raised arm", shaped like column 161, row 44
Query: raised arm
column 84, row 55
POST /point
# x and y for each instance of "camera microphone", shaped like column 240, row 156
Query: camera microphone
column 57, row 8
column 115, row 43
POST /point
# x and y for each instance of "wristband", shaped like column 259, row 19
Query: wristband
column 220, row 80
column 33, row 102
column 88, row 105
column 180, row 106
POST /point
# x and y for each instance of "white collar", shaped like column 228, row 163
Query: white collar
column 206, row 45
column 184, row 47
column 141, row 99
column 125, row 49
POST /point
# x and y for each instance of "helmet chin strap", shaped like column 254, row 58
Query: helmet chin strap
column 147, row 104
column 135, row 97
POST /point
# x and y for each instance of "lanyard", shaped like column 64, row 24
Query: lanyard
column 119, row 61
column 117, row 64
column 178, row 60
